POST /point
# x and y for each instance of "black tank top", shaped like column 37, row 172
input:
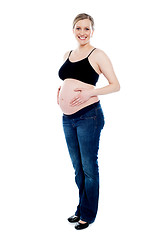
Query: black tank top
column 80, row 70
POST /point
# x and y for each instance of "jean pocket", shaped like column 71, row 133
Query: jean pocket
column 65, row 119
column 89, row 115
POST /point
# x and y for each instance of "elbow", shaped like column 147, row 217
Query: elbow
column 117, row 87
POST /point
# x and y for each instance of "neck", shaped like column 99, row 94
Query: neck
column 84, row 47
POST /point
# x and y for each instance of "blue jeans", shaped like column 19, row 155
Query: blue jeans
column 82, row 132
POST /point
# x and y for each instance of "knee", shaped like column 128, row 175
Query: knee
column 91, row 176
column 91, row 171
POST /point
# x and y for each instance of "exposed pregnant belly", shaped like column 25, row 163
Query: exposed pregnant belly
column 67, row 93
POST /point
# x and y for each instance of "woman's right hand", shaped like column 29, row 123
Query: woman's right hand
column 58, row 95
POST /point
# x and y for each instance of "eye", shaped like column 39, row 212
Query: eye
column 87, row 29
column 78, row 28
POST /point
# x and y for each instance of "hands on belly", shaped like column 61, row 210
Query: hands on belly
column 82, row 96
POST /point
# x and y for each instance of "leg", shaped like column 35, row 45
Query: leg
column 74, row 151
column 89, row 131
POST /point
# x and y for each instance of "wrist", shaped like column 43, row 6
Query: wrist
column 93, row 93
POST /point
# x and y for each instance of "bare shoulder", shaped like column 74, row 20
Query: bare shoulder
column 100, row 55
column 103, row 62
column 66, row 55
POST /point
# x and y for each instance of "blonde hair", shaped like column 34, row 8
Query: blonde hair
column 83, row 16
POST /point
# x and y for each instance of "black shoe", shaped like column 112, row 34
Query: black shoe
column 73, row 219
column 80, row 226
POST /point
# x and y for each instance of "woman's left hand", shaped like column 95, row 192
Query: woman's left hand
column 83, row 96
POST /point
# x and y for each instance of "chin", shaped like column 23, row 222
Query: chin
column 83, row 43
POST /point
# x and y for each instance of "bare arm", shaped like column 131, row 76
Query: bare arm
column 58, row 94
column 105, row 66
column 107, row 70
column 65, row 57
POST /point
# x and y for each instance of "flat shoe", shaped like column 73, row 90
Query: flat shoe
column 73, row 219
column 80, row 226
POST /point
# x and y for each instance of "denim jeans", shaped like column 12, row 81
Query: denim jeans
column 82, row 132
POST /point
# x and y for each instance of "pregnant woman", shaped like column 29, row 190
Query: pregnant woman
column 83, row 117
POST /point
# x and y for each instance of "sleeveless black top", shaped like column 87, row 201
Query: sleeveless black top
column 80, row 70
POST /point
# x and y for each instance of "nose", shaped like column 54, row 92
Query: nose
column 82, row 32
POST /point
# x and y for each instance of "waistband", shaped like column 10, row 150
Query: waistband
column 83, row 110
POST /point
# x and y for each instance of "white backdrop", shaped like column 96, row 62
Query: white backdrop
column 37, row 184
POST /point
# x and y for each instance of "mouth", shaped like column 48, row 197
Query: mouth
column 82, row 38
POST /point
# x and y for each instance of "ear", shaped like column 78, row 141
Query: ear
column 92, row 32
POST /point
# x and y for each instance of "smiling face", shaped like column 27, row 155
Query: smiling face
column 83, row 31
